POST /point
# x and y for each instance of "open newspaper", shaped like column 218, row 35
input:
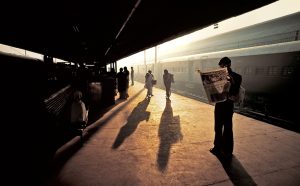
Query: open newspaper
column 216, row 84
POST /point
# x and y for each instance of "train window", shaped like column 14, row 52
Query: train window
column 287, row 71
column 248, row 71
column 260, row 71
column 274, row 70
column 238, row 70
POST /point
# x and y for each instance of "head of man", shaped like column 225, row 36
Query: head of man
column 77, row 95
column 225, row 62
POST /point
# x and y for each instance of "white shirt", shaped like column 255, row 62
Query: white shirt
column 78, row 112
column 148, row 80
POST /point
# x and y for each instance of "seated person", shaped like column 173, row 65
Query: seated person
column 79, row 114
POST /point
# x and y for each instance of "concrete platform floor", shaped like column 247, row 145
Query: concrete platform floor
column 158, row 142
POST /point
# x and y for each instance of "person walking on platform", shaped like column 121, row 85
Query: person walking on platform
column 168, row 79
column 223, row 142
column 126, row 72
column 149, row 83
column 132, row 76
column 121, row 81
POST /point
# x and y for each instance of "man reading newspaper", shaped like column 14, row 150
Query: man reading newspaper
column 222, row 86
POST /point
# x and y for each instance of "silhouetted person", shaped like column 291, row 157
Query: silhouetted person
column 168, row 79
column 121, row 80
column 126, row 72
column 223, row 142
column 132, row 76
column 149, row 83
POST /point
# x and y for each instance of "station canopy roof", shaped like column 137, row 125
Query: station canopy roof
column 104, row 31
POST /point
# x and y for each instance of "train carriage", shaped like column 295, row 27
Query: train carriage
column 267, row 55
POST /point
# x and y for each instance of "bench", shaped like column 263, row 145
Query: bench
column 57, row 101
column 58, row 107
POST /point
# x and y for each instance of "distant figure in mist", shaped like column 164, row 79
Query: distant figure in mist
column 168, row 80
column 132, row 76
column 121, row 82
column 149, row 83
column 126, row 72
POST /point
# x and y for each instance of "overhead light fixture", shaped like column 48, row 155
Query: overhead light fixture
column 75, row 28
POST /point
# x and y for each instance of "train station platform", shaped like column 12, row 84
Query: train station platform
column 156, row 142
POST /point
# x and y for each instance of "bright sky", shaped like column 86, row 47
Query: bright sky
column 22, row 52
column 18, row 51
column 278, row 9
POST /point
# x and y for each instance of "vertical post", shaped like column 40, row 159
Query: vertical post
column 145, row 60
column 155, row 55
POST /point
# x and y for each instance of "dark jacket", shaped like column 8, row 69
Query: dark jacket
column 235, row 83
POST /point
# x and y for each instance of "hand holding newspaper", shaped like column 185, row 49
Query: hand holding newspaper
column 216, row 84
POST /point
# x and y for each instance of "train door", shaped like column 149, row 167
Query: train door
column 203, row 65
column 142, row 69
column 190, row 70
column 196, row 75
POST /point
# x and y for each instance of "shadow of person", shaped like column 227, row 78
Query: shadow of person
column 138, row 114
column 235, row 171
column 169, row 133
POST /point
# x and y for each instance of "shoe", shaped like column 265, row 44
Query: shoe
column 215, row 151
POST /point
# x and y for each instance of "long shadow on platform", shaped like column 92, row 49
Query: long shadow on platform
column 236, row 172
column 138, row 114
column 70, row 148
column 97, row 125
column 169, row 133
